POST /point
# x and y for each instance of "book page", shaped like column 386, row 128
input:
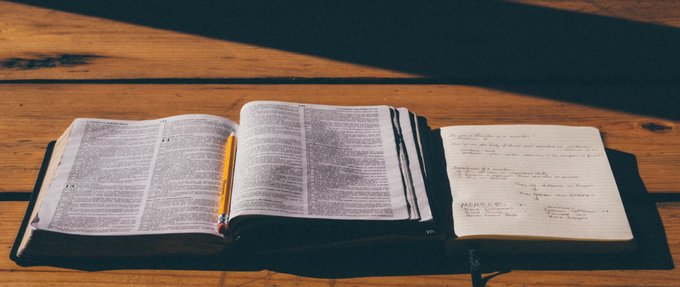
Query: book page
column 315, row 161
column 414, row 169
column 523, row 180
column 138, row 177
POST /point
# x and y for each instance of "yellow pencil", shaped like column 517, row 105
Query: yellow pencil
column 227, row 183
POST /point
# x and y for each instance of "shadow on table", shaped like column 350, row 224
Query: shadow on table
column 426, row 257
column 487, row 43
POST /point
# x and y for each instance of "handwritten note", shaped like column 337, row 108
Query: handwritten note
column 529, row 180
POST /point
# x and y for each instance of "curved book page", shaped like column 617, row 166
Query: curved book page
column 138, row 177
column 317, row 161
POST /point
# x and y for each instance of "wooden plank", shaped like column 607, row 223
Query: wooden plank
column 11, row 214
column 34, row 115
column 464, row 39
column 658, row 12
column 37, row 114
column 39, row 43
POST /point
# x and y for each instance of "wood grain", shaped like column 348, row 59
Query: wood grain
column 658, row 12
column 489, row 40
column 11, row 214
column 39, row 43
column 604, row 44
column 34, row 115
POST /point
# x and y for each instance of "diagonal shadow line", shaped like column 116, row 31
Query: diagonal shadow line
column 488, row 41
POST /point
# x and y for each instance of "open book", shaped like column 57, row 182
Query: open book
column 325, row 174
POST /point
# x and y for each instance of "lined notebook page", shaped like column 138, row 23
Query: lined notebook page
column 530, row 180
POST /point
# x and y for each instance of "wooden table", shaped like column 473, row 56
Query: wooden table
column 609, row 64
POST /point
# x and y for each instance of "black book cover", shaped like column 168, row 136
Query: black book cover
column 31, row 205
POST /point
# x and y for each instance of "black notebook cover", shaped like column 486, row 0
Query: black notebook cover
column 31, row 205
